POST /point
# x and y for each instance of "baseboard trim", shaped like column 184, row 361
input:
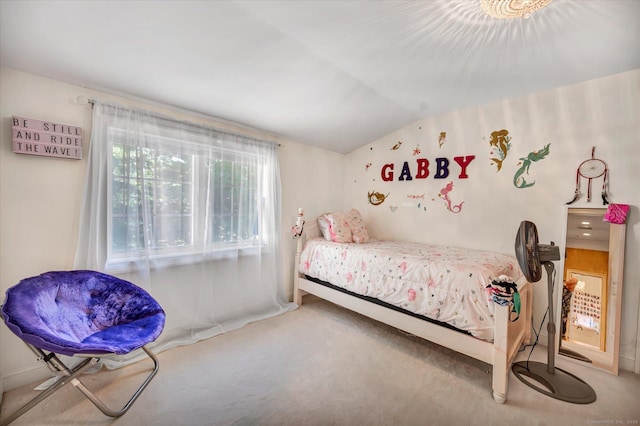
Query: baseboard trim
column 25, row 375
column 625, row 362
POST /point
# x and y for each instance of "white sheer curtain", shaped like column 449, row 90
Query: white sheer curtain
column 190, row 214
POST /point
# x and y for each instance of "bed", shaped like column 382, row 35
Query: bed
column 434, row 292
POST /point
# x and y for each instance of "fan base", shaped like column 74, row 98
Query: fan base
column 558, row 384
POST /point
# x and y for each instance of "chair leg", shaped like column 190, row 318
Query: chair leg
column 69, row 375
column 54, row 363
column 106, row 410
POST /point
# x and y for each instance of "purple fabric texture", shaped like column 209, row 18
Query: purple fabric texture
column 82, row 312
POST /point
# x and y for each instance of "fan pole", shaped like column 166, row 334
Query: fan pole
column 551, row 324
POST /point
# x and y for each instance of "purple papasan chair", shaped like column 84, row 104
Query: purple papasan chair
column 81, row 313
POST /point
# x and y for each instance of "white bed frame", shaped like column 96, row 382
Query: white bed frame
column 508, row 336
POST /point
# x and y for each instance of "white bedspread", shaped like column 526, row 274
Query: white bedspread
column 443, row 283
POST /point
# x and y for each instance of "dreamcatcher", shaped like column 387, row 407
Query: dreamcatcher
column 591, row 169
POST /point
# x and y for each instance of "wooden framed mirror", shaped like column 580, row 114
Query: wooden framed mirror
column 590, row 305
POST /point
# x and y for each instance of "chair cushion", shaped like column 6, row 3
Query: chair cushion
column 82, row 312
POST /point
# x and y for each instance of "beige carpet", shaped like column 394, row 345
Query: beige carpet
column 322, row 365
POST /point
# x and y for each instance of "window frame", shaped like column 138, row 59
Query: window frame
column 199, row 249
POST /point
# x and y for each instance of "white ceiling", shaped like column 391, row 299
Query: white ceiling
column 336, row 74
column 587, row 221
column 586, row 229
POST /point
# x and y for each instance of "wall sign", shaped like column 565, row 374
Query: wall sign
column 422, row 169
column 35, row 137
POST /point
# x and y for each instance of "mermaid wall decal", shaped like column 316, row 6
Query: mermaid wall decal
column 518, row 179
column 376, row 198
column 500, row 139
column 442, row 139
column 444, row 194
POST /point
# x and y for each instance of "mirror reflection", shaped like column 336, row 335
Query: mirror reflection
column 588, row 318
column 584, row 318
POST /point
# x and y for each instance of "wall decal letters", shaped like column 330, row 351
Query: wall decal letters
column 442, row 168
column 463, row 162
column 387, row 172
column 422, row 169
column 406, row 173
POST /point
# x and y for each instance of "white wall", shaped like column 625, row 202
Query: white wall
column 312, row 179
column 40, row 196
column 604, row 113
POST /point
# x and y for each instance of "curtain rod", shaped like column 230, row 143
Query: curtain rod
column 86, row 100
column 94, row 101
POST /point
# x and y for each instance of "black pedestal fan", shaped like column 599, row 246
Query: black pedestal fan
column 546, row 378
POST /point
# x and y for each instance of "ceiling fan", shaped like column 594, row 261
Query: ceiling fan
column 546, row 378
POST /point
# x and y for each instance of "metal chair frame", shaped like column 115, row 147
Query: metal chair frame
column 71, row 376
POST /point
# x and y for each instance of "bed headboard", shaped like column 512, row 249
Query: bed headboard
column 311, row 229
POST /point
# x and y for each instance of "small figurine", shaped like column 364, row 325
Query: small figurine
column 298, row 228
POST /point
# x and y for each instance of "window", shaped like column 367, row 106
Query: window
column 166, row 179
column 171, row 199
column 161, row 193
column 234, row 201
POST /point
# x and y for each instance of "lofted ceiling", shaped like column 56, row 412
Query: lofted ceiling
column 335, row 74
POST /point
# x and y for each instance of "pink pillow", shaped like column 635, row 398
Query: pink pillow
column 339, row 227
column 358, row 229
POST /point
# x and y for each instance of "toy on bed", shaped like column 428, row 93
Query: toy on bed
column 439, row 293
column 81, row 313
